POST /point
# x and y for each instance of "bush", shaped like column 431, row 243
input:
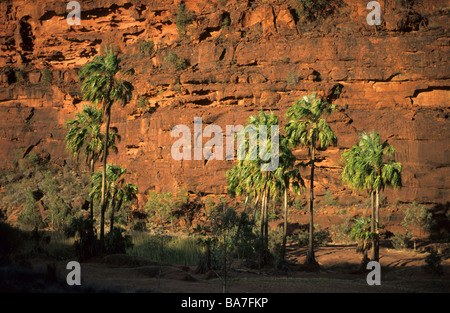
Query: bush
column 311, row 10
column 401, row 241
column 147, row 47
column 119, row 243
column 144, row 104
column 176, row 62
column 433, row 266
column 85, row 245
column 31, row 216
column 321, row 238
column 183, row 18
column 417, row 216
column 159, row 208
column 47, row 76
column 329, row 199
column 361, row 231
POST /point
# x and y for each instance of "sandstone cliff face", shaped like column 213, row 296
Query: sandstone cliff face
column 242, row 56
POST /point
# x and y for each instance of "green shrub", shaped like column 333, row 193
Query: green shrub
column 147, row 47
column 85, row 244
column 311, row 10
column 401, row 241
column 176, row 62
column 159, row 208
column 47, row 76
column 361, row 231
column 144, row 104
column 31, row 216
column 21, row 75
column 342, row 230
column 417, row 216
column 183, row 18
column 321, row 238
column 226, row 22
column 119, row 243
column 329, row 199
column 433, row 261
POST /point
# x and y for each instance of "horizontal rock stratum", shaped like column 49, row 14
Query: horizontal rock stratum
column 241, row 57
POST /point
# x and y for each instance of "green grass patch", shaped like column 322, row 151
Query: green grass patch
column 166, row 249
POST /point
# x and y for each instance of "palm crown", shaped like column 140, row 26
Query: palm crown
column 84, row 135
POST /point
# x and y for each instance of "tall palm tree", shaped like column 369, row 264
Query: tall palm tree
column 102, row 82
column 308, row 128
column 370, row 166
column 84, row 136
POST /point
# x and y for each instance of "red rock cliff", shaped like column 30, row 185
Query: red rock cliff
column 241, row 56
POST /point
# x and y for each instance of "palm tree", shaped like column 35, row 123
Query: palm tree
column 123, row 195
column 307, row 127
column 370, row 166
column 102, row 82
column 117, row 191
column 247, row 175
column 84, row 136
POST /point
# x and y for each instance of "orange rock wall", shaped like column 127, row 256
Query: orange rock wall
column 394, row 79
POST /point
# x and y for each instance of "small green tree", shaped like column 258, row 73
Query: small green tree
column 232, row 236
column 31, row 215
column 47, row 76
column 159, row 207
column 183, row 18
column 417, row 216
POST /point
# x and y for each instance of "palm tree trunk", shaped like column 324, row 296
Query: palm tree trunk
column 111, row 218
column 91, row 201
column 255, row 207
column 377, row 216
column 263, row 200
column 283, row 251
column 105, row 153
column 266, row 222
column 310, row 259
column 372, row 193
column 245, row 203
